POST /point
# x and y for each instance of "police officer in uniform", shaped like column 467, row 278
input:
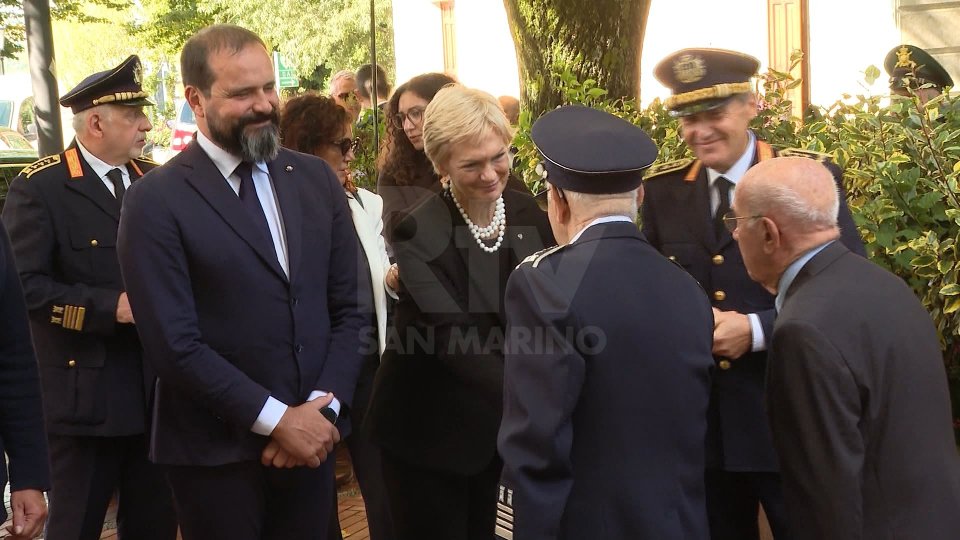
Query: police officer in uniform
column 682, row 217
column 62, row 213
column 607, row 372
column 910, row 68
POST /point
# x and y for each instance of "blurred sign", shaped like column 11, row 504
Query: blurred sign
column 285, row 74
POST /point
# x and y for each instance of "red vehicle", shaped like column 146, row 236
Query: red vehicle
column 184, row 127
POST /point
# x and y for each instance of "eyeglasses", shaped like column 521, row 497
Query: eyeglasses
column 346, row 144
column 347, row 96
column 731, row 220
column 415, row 115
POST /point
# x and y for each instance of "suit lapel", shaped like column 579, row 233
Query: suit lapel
column 286, row 187
column 695, row 196
column 89, row 184
column 203, row 175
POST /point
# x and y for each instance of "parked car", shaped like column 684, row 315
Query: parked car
column 184, row 127
column 16, row 152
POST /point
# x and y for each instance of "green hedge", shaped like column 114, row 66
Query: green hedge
column 901, row 163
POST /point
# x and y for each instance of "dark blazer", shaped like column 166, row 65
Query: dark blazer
column 220, row 321
column 22, row 439
column 859, row 407
column 63, row 225
column 677, row 221
column 606, row 388
column 438, row 393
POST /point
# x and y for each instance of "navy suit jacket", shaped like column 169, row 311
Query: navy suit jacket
column 606, row 386
column 677, row 220
column 219, row 320
column 22, row 439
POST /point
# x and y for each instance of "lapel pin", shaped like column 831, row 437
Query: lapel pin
column 288, row 168
column 520, row 236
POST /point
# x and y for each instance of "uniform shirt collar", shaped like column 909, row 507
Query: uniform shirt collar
column 225, row 162
column 792, row 271
column 736, row 172
column 98, row 165
column 599, row 220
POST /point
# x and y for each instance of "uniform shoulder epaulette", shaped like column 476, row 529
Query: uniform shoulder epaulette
column 148, row 161
column 803, row 152
column 540, row 255
column 40, row 165
column 668, row 167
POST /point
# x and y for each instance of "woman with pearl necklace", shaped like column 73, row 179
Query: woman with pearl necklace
column 437, row 398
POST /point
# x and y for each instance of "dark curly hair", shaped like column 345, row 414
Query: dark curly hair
column 311, row 120
column 398, row 158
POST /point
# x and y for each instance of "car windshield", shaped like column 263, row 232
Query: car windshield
column 11, row 140
column 186, row 115
column 6, row 110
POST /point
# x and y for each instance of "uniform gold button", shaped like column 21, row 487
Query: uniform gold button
column 718, row 260
column 719, row 296
column 72, row 362
column 724, row 364
column 94, row 243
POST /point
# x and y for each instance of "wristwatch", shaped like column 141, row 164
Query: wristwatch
column 329, row 414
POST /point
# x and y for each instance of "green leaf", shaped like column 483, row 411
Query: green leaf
column 923, row 261
column 952, row 289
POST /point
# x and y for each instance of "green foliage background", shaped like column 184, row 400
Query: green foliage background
column 901, row 162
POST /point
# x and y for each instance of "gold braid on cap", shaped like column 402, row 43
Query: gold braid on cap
column 713, row 92
column 120, row 96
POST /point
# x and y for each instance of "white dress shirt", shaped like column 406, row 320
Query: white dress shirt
column 227, row 163
column 734, row 174
column 102, row 168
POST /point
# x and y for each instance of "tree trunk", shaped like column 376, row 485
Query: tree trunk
column 600, row 40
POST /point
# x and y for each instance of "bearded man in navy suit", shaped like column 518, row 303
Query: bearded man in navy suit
column 240, row 263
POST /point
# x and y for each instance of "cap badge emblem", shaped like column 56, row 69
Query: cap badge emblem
column 903, row 58
column 689, row 68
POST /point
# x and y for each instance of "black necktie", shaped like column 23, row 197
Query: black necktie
column 116, row 177
column 250, row 200
column 723, row 189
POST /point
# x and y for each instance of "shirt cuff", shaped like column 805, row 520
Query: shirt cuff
column 335, row 404
column 756, row 331
column 269, row 417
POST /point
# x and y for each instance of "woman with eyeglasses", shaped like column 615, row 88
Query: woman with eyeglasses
column 438, row 394
column 406, row 176
column 317, row 125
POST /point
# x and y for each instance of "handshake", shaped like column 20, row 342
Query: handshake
column 305, row 435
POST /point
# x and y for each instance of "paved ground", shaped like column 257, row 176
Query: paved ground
column 353, row 516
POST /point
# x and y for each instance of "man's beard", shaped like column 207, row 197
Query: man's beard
column 260, row 144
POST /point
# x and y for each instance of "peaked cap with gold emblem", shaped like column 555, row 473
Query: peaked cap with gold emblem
column 118, row 86
column 917, row 66
column 703, row 79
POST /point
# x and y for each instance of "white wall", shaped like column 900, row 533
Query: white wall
column 740, row 25
column 846, row 36
column 417, row 38
column 485, row 52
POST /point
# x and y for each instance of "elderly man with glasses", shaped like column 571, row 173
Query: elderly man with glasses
column 343, row 89
column 682, row 217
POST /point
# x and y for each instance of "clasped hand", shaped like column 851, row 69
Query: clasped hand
column 732, row 335
column 302, row 437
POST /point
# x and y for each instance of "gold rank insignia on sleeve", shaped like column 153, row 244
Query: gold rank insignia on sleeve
column 668, row 167
column 69, row 317
column 40, row 165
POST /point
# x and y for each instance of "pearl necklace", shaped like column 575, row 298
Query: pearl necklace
column 498, row 224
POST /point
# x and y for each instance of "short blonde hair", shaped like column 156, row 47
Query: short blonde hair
column 457, row 114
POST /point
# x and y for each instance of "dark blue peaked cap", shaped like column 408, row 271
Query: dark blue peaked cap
column 118, row 86
column 591, row 151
